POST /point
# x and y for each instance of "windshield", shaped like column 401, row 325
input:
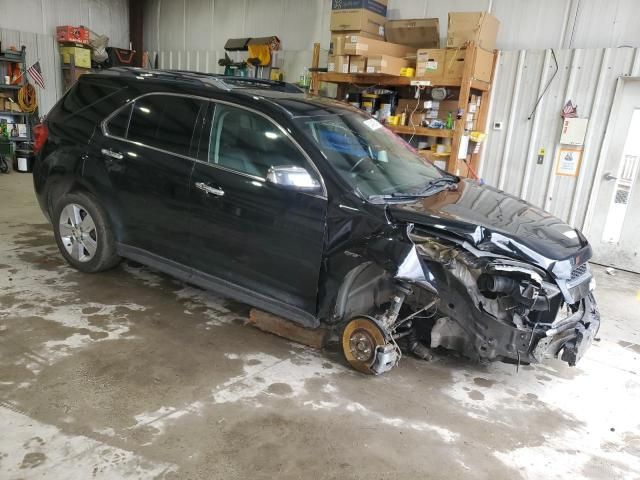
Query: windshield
column 371, row 158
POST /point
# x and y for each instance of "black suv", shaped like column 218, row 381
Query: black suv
column 308, row 208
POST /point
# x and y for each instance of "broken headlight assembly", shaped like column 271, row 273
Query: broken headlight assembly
column 519, row 293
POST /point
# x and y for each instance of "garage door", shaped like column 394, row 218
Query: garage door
column 615, row 227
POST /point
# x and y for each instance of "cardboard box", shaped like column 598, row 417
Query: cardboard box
column 447, row 106
column 407, row 105
column 338, row 38
column 416, row 119
column 67, row 33
column 374, row 6
column 357, row 45
column 331, row 63
column 454, row 65
column 357, row 64
column 417, row 33
column 82, row 56
column 430, row 64
column 479, row 27
column 338, row 63
column 365, row 15
column 386, row 64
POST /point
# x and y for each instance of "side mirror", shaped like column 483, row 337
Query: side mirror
column 292, row 177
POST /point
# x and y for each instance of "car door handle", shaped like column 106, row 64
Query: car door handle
column 209, row 189
column 112, row 154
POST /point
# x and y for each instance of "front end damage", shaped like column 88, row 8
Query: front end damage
column 449, row 294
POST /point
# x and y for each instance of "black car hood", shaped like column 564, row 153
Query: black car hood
column 495, row 221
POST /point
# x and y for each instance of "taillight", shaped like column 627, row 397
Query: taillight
column 40, row 135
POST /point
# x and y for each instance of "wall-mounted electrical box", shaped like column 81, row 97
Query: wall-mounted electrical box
column 573, row 131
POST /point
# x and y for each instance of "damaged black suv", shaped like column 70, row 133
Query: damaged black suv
column 312, row 210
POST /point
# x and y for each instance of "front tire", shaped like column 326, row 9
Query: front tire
column 83, row 233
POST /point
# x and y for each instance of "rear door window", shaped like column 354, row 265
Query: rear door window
column 166, row 122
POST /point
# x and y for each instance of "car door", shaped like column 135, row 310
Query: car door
column 146, row 150
column 247, row 231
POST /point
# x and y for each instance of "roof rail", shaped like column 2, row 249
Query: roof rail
column 259, row 82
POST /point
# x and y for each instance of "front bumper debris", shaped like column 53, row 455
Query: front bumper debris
column 572, row 336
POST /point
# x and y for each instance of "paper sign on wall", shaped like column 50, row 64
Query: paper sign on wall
column 569, row 162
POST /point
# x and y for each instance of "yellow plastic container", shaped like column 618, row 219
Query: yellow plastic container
column 81, row 55
column 407, row 72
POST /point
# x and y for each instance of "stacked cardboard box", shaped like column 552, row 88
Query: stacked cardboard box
column 416, row 33
column 447, row 64
column 364, row 16
column 479, row 27
column 368, row 55
column 357, row 39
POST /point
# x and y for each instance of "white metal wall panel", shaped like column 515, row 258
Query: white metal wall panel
column 587, row 78
column 530, row 25
column 172, row 25
column 199, row 25
column 107, row 17
column 610, row 23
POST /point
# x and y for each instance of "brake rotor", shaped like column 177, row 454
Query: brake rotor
column 360, row 339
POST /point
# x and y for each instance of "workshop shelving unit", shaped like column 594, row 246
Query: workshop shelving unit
column 19, row 58
column 467, row 86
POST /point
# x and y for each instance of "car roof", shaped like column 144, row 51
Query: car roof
column 288, row 97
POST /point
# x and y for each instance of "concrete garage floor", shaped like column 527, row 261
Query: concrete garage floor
column 130, row 374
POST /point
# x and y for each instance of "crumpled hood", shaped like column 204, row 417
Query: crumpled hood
column 495, row 221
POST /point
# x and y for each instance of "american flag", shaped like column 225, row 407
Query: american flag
column 36, row 74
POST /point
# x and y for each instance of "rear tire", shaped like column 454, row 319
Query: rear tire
column 83, row 233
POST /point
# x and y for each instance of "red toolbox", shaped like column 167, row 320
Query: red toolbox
column 67, row 33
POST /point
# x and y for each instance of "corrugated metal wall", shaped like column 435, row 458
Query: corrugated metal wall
column 182, row 25
column 33, row 23
column 106, row 17
column 43, row 48
column 588, row 78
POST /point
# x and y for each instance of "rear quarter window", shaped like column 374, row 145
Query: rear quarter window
column 90, row 93
column 167, row 122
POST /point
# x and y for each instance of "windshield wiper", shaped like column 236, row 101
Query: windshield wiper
column 429, row 189
column 395, row 196
column 438, row 182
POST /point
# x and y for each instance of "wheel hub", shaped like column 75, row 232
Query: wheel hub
column 362, row 346
column 365, row 347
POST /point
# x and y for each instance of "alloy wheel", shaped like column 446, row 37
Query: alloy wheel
column 78, row 232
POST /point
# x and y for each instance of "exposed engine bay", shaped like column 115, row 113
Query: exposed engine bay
column 450, row 295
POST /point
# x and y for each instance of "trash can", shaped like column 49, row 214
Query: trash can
column 23, row 161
